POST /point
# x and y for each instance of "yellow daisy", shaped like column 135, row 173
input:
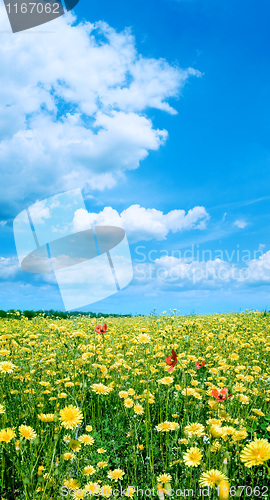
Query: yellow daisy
column 192, row 457
column 86, row 439
column 70, row 417
column 27, row 432
column 7, row 367
column 115, row 474
column 256, row 453
column 211, row 478
column 6, row 435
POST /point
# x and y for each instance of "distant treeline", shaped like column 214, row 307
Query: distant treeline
column 17, row 314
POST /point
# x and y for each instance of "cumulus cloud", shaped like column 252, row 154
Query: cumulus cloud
column 240, row 223
column 144, row 223
column 73, row 107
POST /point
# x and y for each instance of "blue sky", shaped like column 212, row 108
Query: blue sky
column 169, row 115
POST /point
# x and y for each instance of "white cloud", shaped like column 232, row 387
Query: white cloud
column 9, row 267
column 240, row 223
column 73, row 107
column 144, row 223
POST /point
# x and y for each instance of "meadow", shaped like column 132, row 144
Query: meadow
column 152, row 407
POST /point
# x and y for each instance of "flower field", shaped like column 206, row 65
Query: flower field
column 158, row 406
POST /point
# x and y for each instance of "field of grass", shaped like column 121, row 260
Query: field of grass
column 85, row 411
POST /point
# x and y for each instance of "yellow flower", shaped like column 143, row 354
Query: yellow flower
column 101, row 389
column 116, row 474
column 6, row 435
column 164, row 478
column 70, row 417
column 102, row 465
column 259, row 412
column 138, row 409
column 167, row 426
column 128, row 403
column 165, row 380
column 130, row 491
column 68, row 456
column 89, row 470
column 89, row 428
column 223, row 490
column 7, row 367
column 174, row 426
column 211, row 478
column 192, row 457
column 255, row 453
column 189, row 391
column 101, row 450
column 195, row 429
column 27, row 432
column 62, row 395
column 92, row 488
column 216, row 431
column 215, row 446
column 80, row 493
column 41, row 468
column 2, row 409
column 49, row 417
column 123, row 394
column 86, row 439
column 243, row 399
column 72, row 483
column 105, row 491
column 143, row 338
column 239, row 435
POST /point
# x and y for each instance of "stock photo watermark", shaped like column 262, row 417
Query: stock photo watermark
column 194, row 265
column 107, row 491
column 25, row 14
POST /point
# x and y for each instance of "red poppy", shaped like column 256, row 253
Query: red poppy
column 101, row 329
column 171, row 360
column 221, row 395
column 199, row 365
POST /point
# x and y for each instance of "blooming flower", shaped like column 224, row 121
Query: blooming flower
column 49, row 417
column 86, row 439
column 255, row 453
column 211, row 478
column 138, row 409
column 171, row 361
column 115, row 474
column 101, row 389
column 6, row 367
column 89, row 470
column 27, row 432
column 70, row 417
column 223, row 490
column 101, row 329
column 194, row 429
column 143, row 338
column 192, row 457
column 199, row 364
column 6, row 435
column 164, row 478
column 221, row 395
